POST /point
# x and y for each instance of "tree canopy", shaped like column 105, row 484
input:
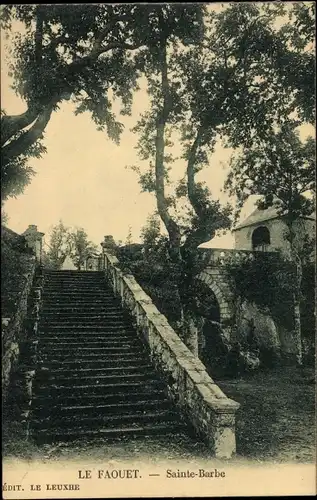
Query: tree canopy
column 237, row 82
column 68, row 242
column 86, row 53
column 280, row 169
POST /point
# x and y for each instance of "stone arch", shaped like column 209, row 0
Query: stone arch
column 221, row 291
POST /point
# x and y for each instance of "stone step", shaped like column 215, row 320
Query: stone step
column 74, row 277
column 137, row 368
column 88, row 338
column 95, row 278
column 78, row 291
column 72, row 272
column 83, row 325
column 71, row 335
column 54, row 288
column 76, row 309
column 106, row 388
column 90, row 281
column 80, row 296
column 79, row 301
column 104, row 409
column 106, row 336
column 88, row 344
column 92, row 362
column 53, row 281
column 110, row 421
column 114, row 320
column 67, row 380
column 81, row 289
column 84, row 353
column 60, row 400
column 80, row 350
column 68, row 434
column 85, row 328
column 121, row 337
column 73, row 316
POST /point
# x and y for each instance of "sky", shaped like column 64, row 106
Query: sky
column 83, row 179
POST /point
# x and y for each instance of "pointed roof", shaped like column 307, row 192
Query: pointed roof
column 259, row 215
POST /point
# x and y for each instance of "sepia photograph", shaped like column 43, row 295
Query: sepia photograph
column 158, row 221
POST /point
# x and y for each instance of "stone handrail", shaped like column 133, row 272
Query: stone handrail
column 200, row 400
column 219, row 256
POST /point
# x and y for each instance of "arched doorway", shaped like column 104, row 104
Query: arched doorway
column 261, row 239
column 212, row 347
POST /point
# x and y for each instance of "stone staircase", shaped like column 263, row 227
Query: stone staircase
column 94, row 376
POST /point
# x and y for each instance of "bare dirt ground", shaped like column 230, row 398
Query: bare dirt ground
column 276, row 423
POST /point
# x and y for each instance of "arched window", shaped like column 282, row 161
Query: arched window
column 261, row 239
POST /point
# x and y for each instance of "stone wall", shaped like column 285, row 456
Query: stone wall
column 13, row 328
column 265, row 329
column 218, row 283
column 20, row 255
column 200, row 400
column 236, row 315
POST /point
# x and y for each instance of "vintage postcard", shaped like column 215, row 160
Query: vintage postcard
column 157, row 250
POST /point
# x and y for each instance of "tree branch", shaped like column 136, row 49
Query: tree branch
column 20, row 145
column 38, row 35
column 98, row 48
column 191, row 187
column 11, row 124
column 208, row 218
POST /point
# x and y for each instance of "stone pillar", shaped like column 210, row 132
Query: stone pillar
column 108, row 244
column 34, row 240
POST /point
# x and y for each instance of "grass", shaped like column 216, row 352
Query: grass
column 276, row 420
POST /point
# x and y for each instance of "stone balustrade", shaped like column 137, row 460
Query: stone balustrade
column 218, row 256
column 200, row 400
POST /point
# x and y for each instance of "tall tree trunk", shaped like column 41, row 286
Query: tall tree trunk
column 297, row 312
column 296, row 260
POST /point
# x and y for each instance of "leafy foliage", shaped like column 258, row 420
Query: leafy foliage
column 60, row 245
column 226, row 83
column 87, row 53
column 81, row 247
column 65, row 241
column 17, row 174
column 269, row 281
column 280, row 169
column 15, row 262
column 230, row 82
